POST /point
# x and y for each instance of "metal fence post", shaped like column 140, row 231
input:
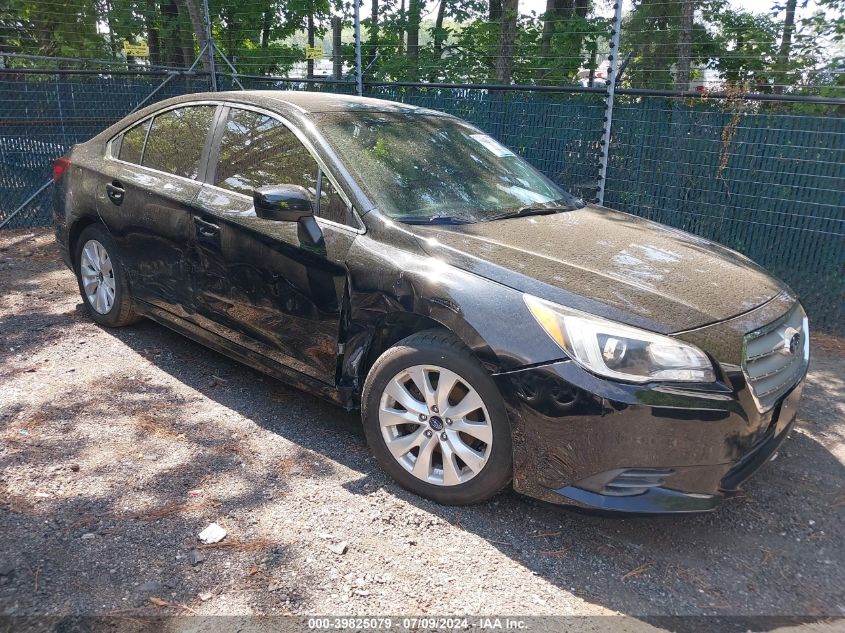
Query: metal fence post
column 210, row 48
column 612, row 71
column 359, row 73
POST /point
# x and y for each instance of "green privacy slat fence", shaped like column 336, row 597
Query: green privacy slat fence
column 41, row 116
column 767, row 180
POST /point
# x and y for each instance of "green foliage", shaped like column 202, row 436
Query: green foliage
column 650, row 34
column 61, row 28
column 749, row 43
column 745, row 49
column 458, row 40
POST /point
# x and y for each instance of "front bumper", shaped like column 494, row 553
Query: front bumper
column 594, row 443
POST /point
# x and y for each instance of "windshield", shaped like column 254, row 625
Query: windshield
column 429, row 168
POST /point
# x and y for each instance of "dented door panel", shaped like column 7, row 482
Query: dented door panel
column 260, row 283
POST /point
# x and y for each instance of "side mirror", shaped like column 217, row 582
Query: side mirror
column 285, row 203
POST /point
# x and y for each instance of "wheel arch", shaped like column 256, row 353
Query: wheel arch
column 367, row 341
column 80, row 224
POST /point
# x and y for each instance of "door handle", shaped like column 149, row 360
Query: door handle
column 206, row 229
column 115, row 192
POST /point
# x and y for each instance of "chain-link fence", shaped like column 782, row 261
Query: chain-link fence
column 699, row 114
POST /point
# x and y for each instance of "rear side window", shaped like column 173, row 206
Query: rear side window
column 176, row 140
column 257, row 150
column 132, row 144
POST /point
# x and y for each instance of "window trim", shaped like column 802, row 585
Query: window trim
column 214, row 155
column 320, row 175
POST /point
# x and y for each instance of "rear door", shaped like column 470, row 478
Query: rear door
column 145, row 197
column 260, row 282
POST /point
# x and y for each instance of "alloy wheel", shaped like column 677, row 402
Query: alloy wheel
column 97, row 272
column 435, row 424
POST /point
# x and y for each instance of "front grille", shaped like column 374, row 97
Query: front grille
column 775, row 357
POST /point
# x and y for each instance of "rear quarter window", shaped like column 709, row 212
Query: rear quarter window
column 132, row 144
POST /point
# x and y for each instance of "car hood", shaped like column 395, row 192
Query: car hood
column 608, row 263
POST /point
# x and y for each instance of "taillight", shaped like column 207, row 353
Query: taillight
column 60, row 166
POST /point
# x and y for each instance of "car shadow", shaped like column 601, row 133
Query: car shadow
column 772, row 550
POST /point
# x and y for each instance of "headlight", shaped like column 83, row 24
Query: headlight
column 620, row 351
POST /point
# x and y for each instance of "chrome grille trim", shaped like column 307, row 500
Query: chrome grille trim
column 769, row 367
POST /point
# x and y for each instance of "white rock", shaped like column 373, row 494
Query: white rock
column 212, row 534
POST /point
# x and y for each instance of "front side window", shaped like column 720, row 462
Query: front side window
column 132, row 144
column 257, row 151
column 176, row 140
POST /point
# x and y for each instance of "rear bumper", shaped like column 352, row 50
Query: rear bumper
column 585, row 441
column 60, row 227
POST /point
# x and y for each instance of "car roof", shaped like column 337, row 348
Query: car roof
column 314, row 102
column 302, row 101
column 297, row 103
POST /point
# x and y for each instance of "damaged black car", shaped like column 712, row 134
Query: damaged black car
column 492, row 329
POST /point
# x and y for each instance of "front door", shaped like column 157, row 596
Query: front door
column 262, row 283
column 145, row 196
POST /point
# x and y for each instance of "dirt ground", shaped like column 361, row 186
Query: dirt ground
column 118, row 447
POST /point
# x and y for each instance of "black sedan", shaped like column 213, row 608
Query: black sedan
column 492, row 328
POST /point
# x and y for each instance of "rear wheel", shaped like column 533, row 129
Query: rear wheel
column 101, row 278
column 436, row 421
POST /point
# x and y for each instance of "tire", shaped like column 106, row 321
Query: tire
column 110, row 304
column 447, row 473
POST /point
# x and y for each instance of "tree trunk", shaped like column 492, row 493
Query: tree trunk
column 373, row 43
column 566, row 58
column 337, row 59
column 266, row 25
column 494, row 16
column 594, row 51
column 112, row 37
column 402, row 28
column 310, row 63
column 198, row 24
column 171, row 42
column 507, row 40
column 782, row 75
column 682, row 69
column 414, row 11
column 151, row 22
column 439, row 33
column 494, row 12
column 551, row 15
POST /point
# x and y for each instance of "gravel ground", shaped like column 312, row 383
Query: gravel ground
column 118, row 447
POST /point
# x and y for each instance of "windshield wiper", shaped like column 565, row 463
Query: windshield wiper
column 437, row 219
column 529, row 209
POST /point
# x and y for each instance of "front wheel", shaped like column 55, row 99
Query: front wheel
column 436, row 421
